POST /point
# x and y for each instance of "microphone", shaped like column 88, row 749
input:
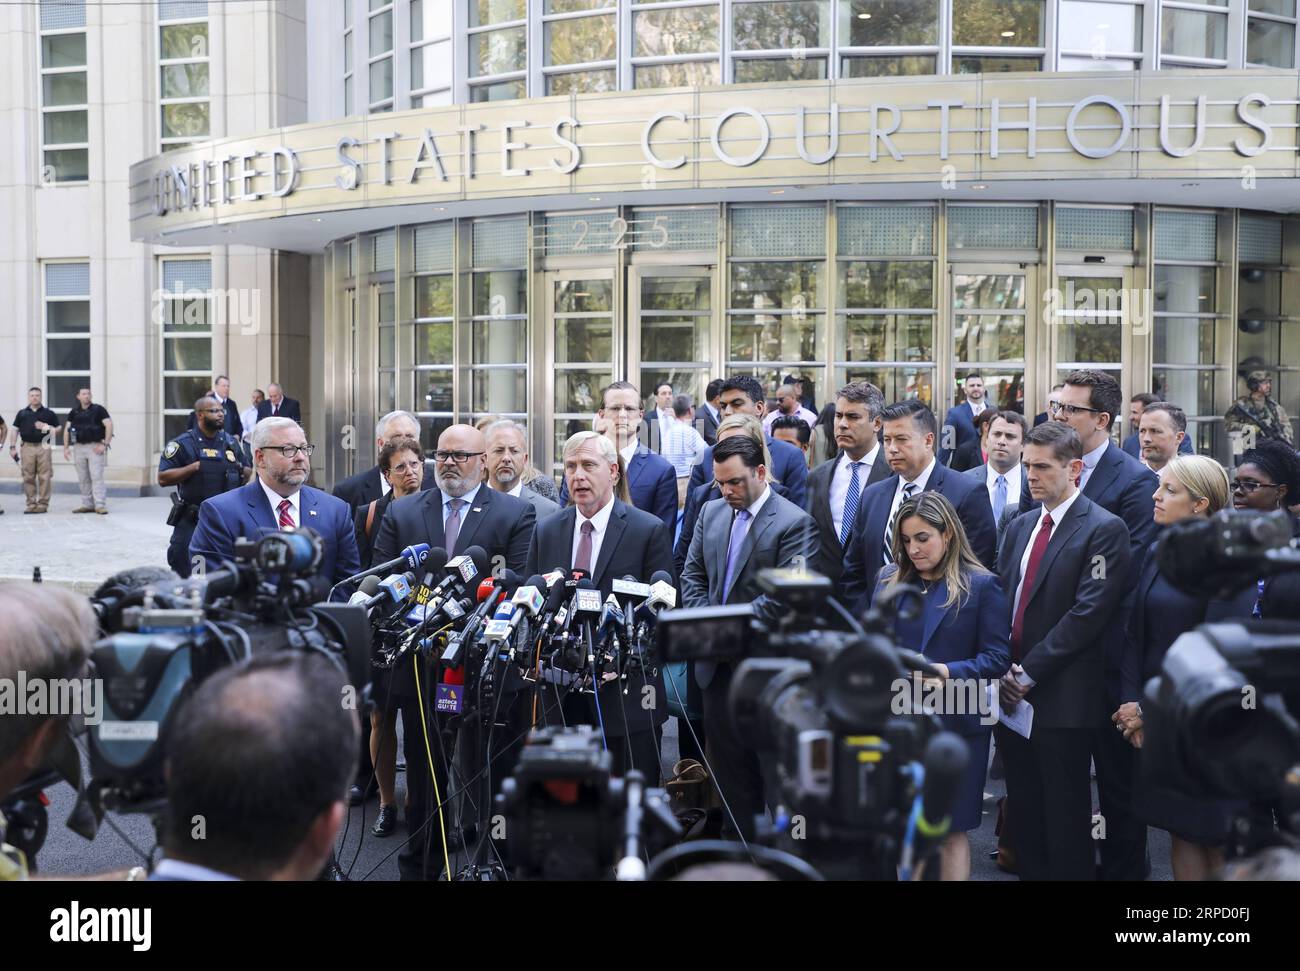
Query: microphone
column 556, row 597
column 435, row 564
column 367, row 590
column 945, row 763
column 412, row 557
column 489, row 593
column 527, row 600
column 630, row 588
column 662, row 593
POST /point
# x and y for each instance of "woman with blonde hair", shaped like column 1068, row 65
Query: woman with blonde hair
column 1191, row 487
column 962, row 629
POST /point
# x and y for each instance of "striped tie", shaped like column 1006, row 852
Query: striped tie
column 850, row 504
column 908, row 491
column 286, row 516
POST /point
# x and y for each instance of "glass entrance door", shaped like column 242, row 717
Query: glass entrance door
column 1085, row 313
column 582, row 344
column 671, row 331
column 990, row 328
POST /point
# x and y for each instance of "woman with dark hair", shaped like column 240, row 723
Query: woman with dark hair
column 823, row 445
column 962, row 629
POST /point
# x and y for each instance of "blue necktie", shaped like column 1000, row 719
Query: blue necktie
column 850, row 504
column 739, row 529
column 999, row 497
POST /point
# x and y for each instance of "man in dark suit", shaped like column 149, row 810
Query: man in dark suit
column 909, row 430
column 1003, row 475
column 507, row 458
column 1043, row 416
column 1121, row 485
column 743, row 394
column 835, row 487
column 221, row 391
column 1059, row 567
column 363, row 488
column 277, row 499
column 749, row 529
column 459, row 513
column 610, row 540
column 651, row 479
column 277, row 405
column 959, row 423
column 708, row 415
column 1137, row 407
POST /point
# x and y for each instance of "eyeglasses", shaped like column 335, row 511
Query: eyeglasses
column 1248, row 486
column 404, row 467
column 460, row 458
column 289, row 451
column 1069, row 411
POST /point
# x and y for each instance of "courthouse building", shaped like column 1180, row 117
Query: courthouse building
column 462, row 207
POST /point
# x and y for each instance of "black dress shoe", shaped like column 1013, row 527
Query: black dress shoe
column 356, row 795
column 387, row 821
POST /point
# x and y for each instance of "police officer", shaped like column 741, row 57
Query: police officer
column 203, row 462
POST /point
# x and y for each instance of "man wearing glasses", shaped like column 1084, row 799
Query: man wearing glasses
column 278, row 499
column 459, row 513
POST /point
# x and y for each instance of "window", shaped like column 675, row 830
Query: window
column 67, row 333
column 1097, row 36
column 498, row 325
column 186, row 311
column 349, row 75
column 888, row 37
column 183, row 72
column 993, row 36
column 1267, row 321
column 1194, row 34
column 431, row 56
column 498, row 49
column 65, row 135
column 780, row 40
column 1270, row 33
column 675, row 45
column 580, row 34
column 380, row 32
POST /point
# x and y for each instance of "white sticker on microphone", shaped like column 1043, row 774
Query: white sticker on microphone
column 128, row 731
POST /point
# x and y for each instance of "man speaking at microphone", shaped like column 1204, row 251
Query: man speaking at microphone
column 459, row 513
column 277, row 499
column 609, row 539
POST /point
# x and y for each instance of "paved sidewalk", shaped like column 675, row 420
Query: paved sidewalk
column 82, row 550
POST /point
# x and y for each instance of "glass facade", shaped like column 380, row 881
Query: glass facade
column 65, row 118
column 67, row 332
column 183, row 64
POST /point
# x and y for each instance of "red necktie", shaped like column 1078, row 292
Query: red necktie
column 1027, row 584
column 286, row 517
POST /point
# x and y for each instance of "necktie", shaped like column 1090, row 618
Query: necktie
column 908, row 491
column 583, row 560
column 999, row 498
column 275, row 409
column 451, row 531
column 850, row 504
column 739, row 530
column 286, row 516
column 1027, row 583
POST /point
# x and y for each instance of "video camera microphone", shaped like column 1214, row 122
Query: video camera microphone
column 368, row 588
column 412, row 559
column 394, row 588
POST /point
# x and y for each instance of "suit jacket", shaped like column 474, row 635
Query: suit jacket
column 542, row 507
column 635, row 544
column 1040, row 418
column 971, row 639
column 234, row 426
column 707, row 424
column 1074, row 607
column 246, row 512
column 962, row 423
column 288, row 409
column 781, row 536
column 788, row 465
column 365, row 487
column 1151, row 632
column 653, row 483
column 1134, row 447
column 830, row 561
column 366, row 543
column 967, row 456
column 864, row 557
column 501, row 524
column 695, row 500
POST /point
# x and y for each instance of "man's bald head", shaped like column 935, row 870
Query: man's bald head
column 459, row 459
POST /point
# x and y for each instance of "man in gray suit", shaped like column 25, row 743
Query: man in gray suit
column 749, row 529
column 507, row 457
column 835, row 487
column 1003, row 475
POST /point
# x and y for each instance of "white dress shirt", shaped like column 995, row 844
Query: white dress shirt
column 841, row 478
column 757, row 505
column 275, row 499
column 384, row 487
column 1090, row 460
column 976, row 410
column 1013, row 484
column 599, row 523
column 248, row 418
column 628, row 451
column 1058, row 517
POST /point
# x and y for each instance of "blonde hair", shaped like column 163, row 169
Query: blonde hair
column 607, row 451
column 1203, row 478
column 752, row 427
column 959, row 560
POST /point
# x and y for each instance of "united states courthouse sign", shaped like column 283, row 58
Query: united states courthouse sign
column 1033, row 126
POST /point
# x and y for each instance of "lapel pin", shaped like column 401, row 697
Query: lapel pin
column 311, row 512
column 477, row 509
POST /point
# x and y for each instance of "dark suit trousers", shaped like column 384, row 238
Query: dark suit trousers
column 1124, row 850
column 735, row 765
column 1048, row 790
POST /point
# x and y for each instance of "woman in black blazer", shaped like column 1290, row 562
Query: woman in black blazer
column 963, row 629
column 1191, row 486
column 401, row 463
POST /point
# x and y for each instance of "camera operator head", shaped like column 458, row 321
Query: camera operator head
column 1053, row 461
column 258, row 768
column 1191, row 486
column 740, row 472
column 1268, row 477
column 45, row 638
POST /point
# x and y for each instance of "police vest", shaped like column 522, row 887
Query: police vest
column 219, row 467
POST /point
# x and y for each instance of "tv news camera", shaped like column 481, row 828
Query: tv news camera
column 1220, row 720
column 857, row 791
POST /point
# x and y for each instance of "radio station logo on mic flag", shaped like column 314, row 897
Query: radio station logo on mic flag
column 416, row 555
column 449, row 700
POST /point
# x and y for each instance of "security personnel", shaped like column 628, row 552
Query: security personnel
column 203, row 462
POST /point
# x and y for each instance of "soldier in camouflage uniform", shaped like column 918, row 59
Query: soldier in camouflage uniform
column 1258, row 414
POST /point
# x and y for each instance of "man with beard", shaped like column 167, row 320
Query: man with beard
column 507, row 457
column 277, row 499
column 205, row 461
